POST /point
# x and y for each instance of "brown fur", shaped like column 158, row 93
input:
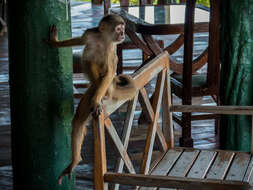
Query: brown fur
column 99, row 61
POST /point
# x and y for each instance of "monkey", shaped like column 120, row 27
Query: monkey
column 99, row 61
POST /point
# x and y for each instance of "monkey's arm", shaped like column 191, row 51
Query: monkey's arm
column 54, row 42
column 102, row 86
column 78, row 41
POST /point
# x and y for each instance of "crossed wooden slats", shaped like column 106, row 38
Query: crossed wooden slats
column 158, row 66
column 146, row 105
column 153, row 127
column 126, row 135
column 178, row 167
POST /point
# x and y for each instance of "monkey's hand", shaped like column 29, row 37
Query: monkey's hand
column 67, row 171
column 96, row 109
column 53, row 36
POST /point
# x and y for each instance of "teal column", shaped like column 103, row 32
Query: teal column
column 236, row 70
column 41, row 94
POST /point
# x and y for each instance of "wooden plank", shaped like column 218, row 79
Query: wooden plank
column 167, row 124
column 141, row 78
column 184, row 163
column 235, row 110
column 220, row 166
column 248, row 176
column 151, row 69
column 238, row 167
column 99, row 153
column 119, row 146
column 202, row 164
column 125, row 135
column 174, row 182
column 145, row 104
column 147, row 154
column 167, row 162
column 164, row 166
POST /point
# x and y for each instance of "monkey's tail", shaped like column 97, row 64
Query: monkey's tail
column 123, row 88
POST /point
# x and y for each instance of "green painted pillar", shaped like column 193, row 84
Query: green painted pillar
column 41, row 94
column 236, row 70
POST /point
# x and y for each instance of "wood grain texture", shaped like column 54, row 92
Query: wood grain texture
column 221, row 165
column 184, row 163
column 232, row 110
column 167, row 123
column 202, row 164
column 119, row 146
column 100, row 166
column 238, row 167
column 174, row 182
column 153, row 127
column 126, row 135
column 146, row 105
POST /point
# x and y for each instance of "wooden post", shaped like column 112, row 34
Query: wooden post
column 40, row 93
column 186, row 139
column 99, row 153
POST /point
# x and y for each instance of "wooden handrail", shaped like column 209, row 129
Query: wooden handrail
column 228, row 110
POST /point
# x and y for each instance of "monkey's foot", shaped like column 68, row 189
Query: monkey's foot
column 96, row 110
column 67, row 171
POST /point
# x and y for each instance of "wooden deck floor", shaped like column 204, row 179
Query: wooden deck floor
column 85, row 16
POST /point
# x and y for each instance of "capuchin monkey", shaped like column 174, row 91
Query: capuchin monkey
column 99, row 61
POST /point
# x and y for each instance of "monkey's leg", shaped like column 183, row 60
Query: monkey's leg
column 78, row 132
column 102, row 85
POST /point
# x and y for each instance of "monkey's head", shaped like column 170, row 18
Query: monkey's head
column 113, row 28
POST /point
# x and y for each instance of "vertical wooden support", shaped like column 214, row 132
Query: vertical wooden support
column 153, row 127
column 40, row 93
column 100, row 167
column 126, row 135
column 167, row 124
column 186, row 139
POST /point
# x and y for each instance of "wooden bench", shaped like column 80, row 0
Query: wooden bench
column 181, row 168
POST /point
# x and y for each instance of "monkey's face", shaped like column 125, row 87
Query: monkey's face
column 119, row 33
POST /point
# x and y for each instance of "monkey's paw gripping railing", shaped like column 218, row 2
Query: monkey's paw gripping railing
column 179, row 167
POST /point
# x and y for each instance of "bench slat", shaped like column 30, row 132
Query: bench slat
column 220, row 166
column 248, row 176
column 184, row 163
column 164, row 166
column 238, row 167
column 202, row 164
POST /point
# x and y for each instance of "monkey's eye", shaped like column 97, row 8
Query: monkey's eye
column 118, row 29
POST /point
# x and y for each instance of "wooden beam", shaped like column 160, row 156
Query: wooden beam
column 167, row 123
column 126, row 135
column 153, row 127
column 99, row 153
column 146, row 105
column 174, row 182
column 229, row 110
